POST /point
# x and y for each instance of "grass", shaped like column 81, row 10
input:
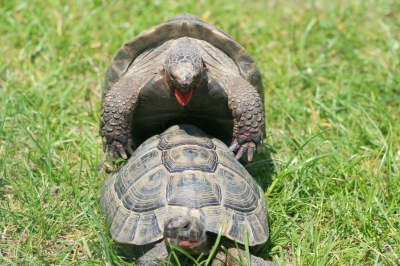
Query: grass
column 331, row 76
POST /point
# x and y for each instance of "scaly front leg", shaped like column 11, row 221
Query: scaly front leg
column 248, row 116
column 234, row 259
column 118, row 107
column 154, row 256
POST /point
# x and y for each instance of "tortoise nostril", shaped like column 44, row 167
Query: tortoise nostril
column 185, row 81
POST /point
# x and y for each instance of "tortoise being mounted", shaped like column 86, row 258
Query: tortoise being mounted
column 182, row 186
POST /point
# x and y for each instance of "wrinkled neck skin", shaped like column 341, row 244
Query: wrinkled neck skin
column 187, row 233
column 184, row 71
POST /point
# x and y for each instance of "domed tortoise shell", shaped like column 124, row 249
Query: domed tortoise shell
column 183, row 172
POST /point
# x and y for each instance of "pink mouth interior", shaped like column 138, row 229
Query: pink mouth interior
column 183, row 97
column 182, row 242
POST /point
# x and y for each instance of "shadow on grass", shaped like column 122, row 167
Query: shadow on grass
column 261, row 168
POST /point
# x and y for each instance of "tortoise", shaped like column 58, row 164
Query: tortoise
column 183, row 71
column 184, row 187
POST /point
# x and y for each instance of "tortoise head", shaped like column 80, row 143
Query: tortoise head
column 184, row 72
column 187, row 233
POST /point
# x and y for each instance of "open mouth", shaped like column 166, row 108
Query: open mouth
column 183, row 97
column 184, row 243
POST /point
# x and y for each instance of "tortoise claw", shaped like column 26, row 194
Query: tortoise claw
column 240, row 153
column 122, row 152
column 129, row 150
column 232, row 147
column 117, row 149
column 112, row 151
column 250, row 152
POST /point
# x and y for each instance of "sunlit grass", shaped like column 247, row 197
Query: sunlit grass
column 331, row 76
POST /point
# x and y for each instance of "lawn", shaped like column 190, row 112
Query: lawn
column 331, row 72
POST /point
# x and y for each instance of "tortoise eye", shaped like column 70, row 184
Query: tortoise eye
column 186, row 227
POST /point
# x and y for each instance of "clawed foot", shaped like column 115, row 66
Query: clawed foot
column 248, row 147
column 121, row 148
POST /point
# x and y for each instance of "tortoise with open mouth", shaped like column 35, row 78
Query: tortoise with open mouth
column 182, row 71
column 183, row 187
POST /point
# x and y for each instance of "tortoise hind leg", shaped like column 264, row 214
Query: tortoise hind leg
column 118, row 107
column 248, row 115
